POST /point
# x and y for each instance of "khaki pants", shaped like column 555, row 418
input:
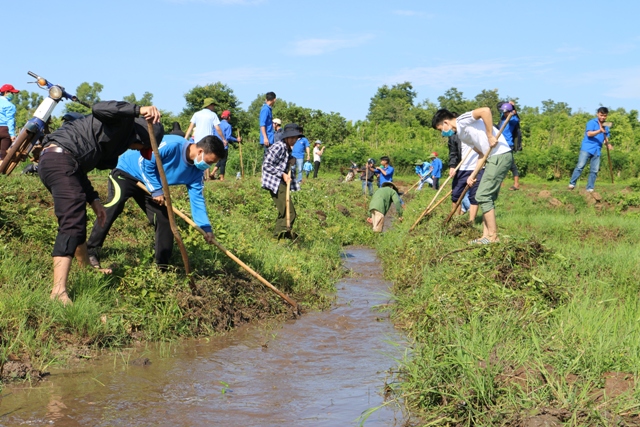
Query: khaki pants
column 377, row 219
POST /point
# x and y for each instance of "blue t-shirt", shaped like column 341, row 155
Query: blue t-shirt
column 385, row 178
column 227, row 131
column 509, row 129
column 298, row 150
column 266, row 120
column 423, row 169
column 593, row 144
column 437, row 168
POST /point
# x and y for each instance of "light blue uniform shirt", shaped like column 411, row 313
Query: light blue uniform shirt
column 8, row 115
column 227, row 131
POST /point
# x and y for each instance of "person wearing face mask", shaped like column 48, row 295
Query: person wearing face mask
column 7, row 118
column 185, row 163
column 475, row 130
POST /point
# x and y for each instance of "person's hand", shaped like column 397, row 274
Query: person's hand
column 150, row 114
column 210, row 238
column 159, row 199
column 239, row 139
column 493, row 141
column 471, row 181
column 13, row 139
column 100, row 212
column 286, row 178
column 610, row 147
column 400, row 219
column 266, row 143
column 452, row 172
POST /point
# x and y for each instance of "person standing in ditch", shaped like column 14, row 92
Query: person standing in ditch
column 227, row 133
column 276, row 173
column 206, row 122
column 301, row 150
column 68, row 154
column 513, row 136
column 7, row 118
column 267, row 133
column 384, row 171
column 381, row 203
column 596, row 134
column 317, row 157
column 475, row 129
column 184, row 163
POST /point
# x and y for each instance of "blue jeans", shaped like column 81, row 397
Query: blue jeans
column 368, row 185
column 466, row 203
column 299, row 163
column 594, row 167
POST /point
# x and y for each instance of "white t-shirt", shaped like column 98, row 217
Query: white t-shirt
column 472, row 132
column 472, row 160
column 205, row 122
column 316, row 154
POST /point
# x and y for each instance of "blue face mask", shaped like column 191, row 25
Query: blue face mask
column 201, row 164
column 9, row 96
column 447, row 133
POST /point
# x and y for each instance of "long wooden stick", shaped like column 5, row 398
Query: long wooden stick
column 287, row 201
column 241, row 162
column 426, row 211
column 413, row 186
column 167, row 201
column 228, row 253
column 606, row 142
column 478, row 168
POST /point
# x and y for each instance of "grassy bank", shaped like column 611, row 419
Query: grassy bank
column 138, row 302
column 543, row 326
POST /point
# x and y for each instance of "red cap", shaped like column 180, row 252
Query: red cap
column 8, row 88
column 225, row 114
column 434, row 154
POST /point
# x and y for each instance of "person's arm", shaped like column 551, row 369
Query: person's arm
column 594, row 128
column 11, row 123
column 224, row 139
column 149, row 171
column 199, row 208
column 263, row 126
column 484, row 114
column 396, row 201
column 380, row 170
column 307, row 150
column 188, row 132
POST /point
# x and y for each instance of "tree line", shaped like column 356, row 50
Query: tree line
column 396, row 125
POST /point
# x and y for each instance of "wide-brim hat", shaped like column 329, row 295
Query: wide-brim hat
column 392, row 185
column 291, row 129
column 207, row 102
column 418, row 162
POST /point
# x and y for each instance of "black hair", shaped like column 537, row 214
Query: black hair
column 213, row 144
column 385, row 158
column 440, row 116
column 270, row 96
column 603, row 110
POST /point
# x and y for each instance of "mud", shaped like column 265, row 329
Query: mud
column 324, row 369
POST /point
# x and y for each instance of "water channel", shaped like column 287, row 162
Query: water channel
column 324, row 369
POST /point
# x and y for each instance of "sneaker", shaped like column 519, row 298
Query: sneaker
column 571, row 187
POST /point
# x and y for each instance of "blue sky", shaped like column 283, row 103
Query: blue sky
column 332, row 55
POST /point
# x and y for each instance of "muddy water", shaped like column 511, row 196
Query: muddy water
column 324, row 369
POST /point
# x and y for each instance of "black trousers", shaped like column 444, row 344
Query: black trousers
column 436, row 183
column 316, row 168
column 222, row 166
column 122, row 187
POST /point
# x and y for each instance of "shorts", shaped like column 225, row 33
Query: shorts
column 460, row 182
column 377, row 219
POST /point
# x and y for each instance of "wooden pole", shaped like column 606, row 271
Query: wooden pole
column 477, row 170
column 167, row 201
column 606, row 143
column 413, row 186
column 228, row 253
column 241, row 162
column 288, row 200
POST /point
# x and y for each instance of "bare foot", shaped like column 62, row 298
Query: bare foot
column 369, row 220
column 104, row 270
column 62, row 297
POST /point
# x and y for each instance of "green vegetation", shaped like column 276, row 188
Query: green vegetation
column 138, row 302
column 544, row 323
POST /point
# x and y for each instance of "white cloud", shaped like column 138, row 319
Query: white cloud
column 240, row 75
column 450, row 74
column 621, row 83
column 311, row 47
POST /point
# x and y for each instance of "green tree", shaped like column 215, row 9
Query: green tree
column 454, row 101
column 393, row 104
column 146, row 100
column 88, row 93
column 26, row 104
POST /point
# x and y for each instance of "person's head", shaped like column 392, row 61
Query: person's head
column 384, row 160
column 226, row 115
column 433, row 155
column 209, row 150
column 318, row 143
column 603, row 112
column 208, row 103
column 392, row 185
column 8, row 91
column 176, row 129
column 143, row 140
column 371, row 162
column 270, row 98
column 277, row 124
column 444, row 121
column 292, row 132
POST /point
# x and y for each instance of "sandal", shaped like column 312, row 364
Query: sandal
column 481, row 241
column 95, row 262
column 513, row 188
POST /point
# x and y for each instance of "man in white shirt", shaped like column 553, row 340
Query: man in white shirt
column 206, row 123
column 475, row 129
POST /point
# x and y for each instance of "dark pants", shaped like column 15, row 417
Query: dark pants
column 69, row 186
column 280, row 199
column 316, row 168
column 436, row 183
column 122, row 187
column 5, row 141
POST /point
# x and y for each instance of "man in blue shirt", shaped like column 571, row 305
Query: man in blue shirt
column 7, row 118
column 511, row 134
column 384, row 171
column 436, row 170
column 184, row 163
column 423, row 169
column 298, row 152
column 266, row 121
column 227, row 133
column 595, row 135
